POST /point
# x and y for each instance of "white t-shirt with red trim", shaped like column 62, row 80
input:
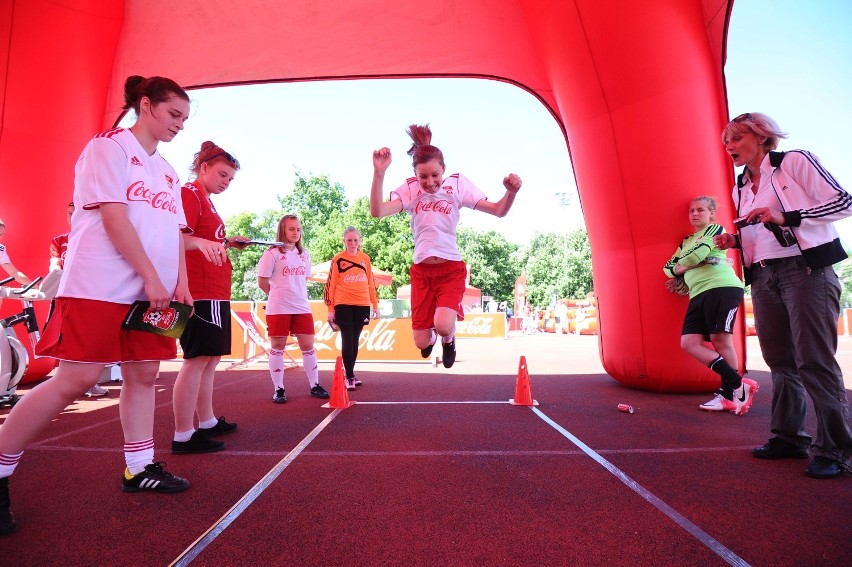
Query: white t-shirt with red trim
column 288, row 274
column 114, row 168
column 434, row 216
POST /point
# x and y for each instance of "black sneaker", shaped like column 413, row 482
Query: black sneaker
column 777, row 448
column 198, row 443
column 7, row 522
column 222, row 427
column 425, row 352
column 823, row 467
column 319, row 392
column 280, row 397
column 449, row 356
column 154, row 478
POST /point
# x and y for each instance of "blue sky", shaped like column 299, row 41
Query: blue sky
column 787, row 58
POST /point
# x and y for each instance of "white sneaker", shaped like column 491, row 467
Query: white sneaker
column 115, row 373
column 97, row 391
column 744, row 396
column 718, row 403
column 357, row 382
column 350, row 384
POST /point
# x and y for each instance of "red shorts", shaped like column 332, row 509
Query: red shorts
column 284, row 325
column 88, row 330
column 433, row 286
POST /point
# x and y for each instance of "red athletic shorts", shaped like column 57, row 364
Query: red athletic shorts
column 284, row 325
column 433, row 286
column 88, row 330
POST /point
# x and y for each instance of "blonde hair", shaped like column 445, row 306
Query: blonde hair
column 711, row 201
column 758, row 124
column 281, row 233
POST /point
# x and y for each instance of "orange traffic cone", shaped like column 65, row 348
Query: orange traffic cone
column 523, row 391
column 339, row 396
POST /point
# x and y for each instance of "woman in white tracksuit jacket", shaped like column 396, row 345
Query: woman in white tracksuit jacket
column 786, row 203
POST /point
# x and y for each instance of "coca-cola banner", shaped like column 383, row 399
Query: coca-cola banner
column 482, row 326
column 386, row 339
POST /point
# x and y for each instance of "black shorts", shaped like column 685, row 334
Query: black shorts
column 713, row 311
column 208, row 331
column 351, row 315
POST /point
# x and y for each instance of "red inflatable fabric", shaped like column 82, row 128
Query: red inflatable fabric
column 638, row 90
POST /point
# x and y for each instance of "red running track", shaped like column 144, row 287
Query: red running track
column 433, row 466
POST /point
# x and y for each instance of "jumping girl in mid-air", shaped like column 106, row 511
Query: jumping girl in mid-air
column 438, row 274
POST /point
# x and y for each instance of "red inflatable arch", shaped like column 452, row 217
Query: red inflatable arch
column 638, row 90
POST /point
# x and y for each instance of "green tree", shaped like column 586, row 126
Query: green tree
column 315, row 201
column 558, row 264
column 844, row 273
column 489, row 256
column 257, row 227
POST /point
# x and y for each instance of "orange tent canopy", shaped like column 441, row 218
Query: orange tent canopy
column 319, row 273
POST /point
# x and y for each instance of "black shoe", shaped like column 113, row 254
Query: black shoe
column 426, row 352
column 280, row 397
column 7, row 522
column 777, row 448
column 823, row 467
column 198, row 443
column 154, row 478
column 222, row 427
column 319, row 392
column 449, row 356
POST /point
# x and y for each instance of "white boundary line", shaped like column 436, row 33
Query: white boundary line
column 715, row 546
column 191, row 552
column 213, row 532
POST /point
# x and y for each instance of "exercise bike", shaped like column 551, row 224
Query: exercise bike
column 14, row 358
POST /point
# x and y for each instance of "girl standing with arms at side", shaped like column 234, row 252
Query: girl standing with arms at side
column 434, row 203
column 208, row 333
column 349, row 294
column 125, row 245
column 715, row 294
column 282, row 273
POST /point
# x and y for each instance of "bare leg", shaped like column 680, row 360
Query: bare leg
column 44, row 402
column 136, row 405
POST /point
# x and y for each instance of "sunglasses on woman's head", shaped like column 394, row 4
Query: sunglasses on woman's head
column 227, row 156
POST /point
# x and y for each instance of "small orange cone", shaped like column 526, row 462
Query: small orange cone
column 339, row 396
column 523, row 391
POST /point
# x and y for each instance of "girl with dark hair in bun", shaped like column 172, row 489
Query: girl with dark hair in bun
column 208, row 334
column 438, row 274
column 125, row 245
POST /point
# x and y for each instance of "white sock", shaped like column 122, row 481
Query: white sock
column 8, row 463
column 433, row 336
column 181, row 436
column 209, row 423
column 309, row 361
column 138, row 454
column 276, row 367
column 449, row 338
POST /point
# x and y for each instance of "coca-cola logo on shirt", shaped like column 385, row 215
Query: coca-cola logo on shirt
column 297, row 271
column 220, row 232
column 440, row 206
column 351, row 278
column 160, row 200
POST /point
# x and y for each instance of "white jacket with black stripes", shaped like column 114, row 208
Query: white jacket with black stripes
column 811, row 199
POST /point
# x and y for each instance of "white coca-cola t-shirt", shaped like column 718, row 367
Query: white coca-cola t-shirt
column 434, row 216
column 114, row 168
column 288, row 274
